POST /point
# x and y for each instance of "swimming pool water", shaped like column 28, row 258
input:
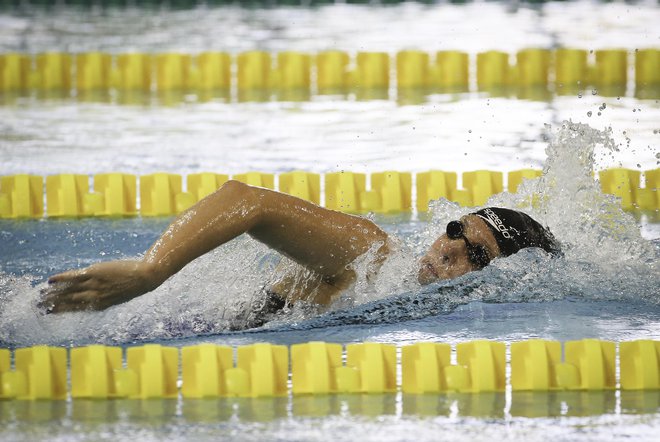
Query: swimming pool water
column 606, row 287
column 456, row 132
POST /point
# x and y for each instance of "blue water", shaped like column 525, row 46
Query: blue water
column 606, row 285
column 482, row 305
column 526, row 298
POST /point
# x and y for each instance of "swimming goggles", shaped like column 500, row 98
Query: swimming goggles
column 477, row 254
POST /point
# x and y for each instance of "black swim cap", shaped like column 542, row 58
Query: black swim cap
column 515, row 230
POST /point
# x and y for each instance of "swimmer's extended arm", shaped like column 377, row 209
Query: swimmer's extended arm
column 322, row 240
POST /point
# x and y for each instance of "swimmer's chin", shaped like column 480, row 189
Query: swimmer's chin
column 427, row 275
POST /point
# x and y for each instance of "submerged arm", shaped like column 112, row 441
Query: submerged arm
column 322, row 240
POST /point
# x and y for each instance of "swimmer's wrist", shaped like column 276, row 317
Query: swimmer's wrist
column 153, row 275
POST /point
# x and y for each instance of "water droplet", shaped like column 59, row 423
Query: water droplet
column 594, row 92
column 470, row 131
column 599, row 114
column 589, row 114
column 579, row 95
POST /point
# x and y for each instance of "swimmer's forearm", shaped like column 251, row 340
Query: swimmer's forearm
column 322, row 240
column 216, row 219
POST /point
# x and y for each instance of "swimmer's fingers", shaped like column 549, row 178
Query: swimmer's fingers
column 70, row 276
column 58, row 289
column 52, row 301
column 62, row 293
column 98, row 286
column 71, row 283
column 81, row 301
column 88, row 300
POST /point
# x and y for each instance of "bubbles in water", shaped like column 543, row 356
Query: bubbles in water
column 207, row 296
column 605, row 254
column 605, row 257
column 376, row 279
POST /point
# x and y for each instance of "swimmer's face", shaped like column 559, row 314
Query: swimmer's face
column 449, row 258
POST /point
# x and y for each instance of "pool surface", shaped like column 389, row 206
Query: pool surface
column 605, row 286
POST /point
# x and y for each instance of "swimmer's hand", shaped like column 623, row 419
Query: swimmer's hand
column 98, row 286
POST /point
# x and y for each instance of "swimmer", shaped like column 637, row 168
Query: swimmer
column 323, row 241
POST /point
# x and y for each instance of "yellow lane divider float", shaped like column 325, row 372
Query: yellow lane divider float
column 295, row 75
column 319, row 368
column 162, row 194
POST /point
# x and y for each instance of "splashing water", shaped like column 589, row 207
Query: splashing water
column 603, row 245
column 204, row 297
column 605, row 257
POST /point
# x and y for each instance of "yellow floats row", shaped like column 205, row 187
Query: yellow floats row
column 161, row 194
column 262, row 370
column 332, row 71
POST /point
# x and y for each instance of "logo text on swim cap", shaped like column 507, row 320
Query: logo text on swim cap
column 496, row 222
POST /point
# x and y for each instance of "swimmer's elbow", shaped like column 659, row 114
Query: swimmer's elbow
column 234, row 186
column 239, row 195
column 237, row 192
